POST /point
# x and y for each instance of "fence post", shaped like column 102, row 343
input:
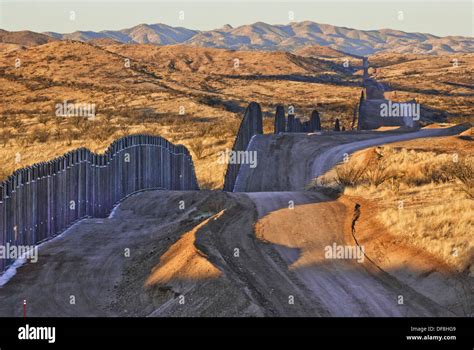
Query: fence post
column 252, row 124
column 279, row 119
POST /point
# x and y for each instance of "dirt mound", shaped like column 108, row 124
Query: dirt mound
column 184, row 261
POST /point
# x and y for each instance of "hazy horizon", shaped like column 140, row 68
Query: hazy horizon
column 440, row 18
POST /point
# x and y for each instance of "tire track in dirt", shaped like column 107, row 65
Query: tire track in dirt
column 343, row 287
column 342, row 282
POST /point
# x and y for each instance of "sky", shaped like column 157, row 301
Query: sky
column 441, row 17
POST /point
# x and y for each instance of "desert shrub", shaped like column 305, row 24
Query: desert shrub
column 102, row 131
column 5, row 136
column 58, row 120
column 74, row 135
column 40, row 134
column 108, row 115
column 124, row 129
column 218, row 130
column 411, row 72
column 349, row 174
column 143, row 115
column 17, row 124
column 3, row 120
column 210, row 101
column 463, row 171
column 39, row 98
column 220, row 142
column 76, row 121
column 57, row 132
column 200, row 130
column 377, row 172
column 43, row 119
column 124, row 113
column 374, row 171
column 69, row 134
column 395, row 169
column 438, row 172
column 198, row 148
column 84, row 126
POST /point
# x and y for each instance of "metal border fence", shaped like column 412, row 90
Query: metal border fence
column 42, row 200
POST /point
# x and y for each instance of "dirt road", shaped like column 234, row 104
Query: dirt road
column 203, row 253
column 288, row 162
column 90, row 264
column 345, row 287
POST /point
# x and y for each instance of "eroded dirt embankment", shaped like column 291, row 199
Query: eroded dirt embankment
column 411, row 268
column 348, row 286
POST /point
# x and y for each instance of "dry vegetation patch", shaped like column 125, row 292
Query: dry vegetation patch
column 188, row 93
column 424, row 198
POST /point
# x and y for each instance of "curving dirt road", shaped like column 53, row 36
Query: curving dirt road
column 290, row 162
column 210, row 253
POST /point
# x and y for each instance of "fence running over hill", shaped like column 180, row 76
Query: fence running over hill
column 251, row 125
column 43, row 200
column 294, row 124
column 370, row 116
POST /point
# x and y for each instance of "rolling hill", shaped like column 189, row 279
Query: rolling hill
column 24, row 38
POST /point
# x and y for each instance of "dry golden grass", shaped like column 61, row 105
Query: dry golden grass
column 444, row 83
column 196, row 103
column 425, row 198
column 442, row 228
column 182, row 93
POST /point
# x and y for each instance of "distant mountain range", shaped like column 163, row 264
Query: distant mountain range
column 291, row 37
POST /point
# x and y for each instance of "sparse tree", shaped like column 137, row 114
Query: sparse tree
column 43, row 119
column 5, row 136
column 124, row 129
column 464, row 172
column 4, row 120
column 39, row 134
column 17, row 124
